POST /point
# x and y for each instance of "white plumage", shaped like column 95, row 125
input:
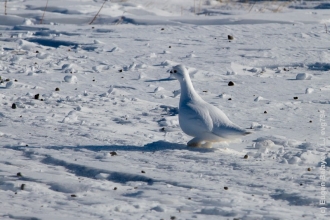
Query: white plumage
column 199, row 119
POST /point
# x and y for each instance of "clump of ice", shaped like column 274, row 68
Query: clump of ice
column 70, row 79
column 309, row 91
column 168, row 63
column 9, row 84
column 303, row 76
column 224, row 96
column 259, row 98
column 159, row 88
column 27, row 22
column 70, row 117
column 264, row 143
column 231, row 73
column 69, row 68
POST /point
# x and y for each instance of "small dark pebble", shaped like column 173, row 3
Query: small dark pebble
column 162, row 129
column 189, row 198
column 310, row 121
column 37, row 51
column 285, row 69
column 215, row 38
column 57, row 89
column 115, row 188
column 246, row 156
column 36, row 96
column 20, row 116
column 23, row 186
column 173, row 217
column 7, row 80
column 162, row 29
column 300, row 184
column 143, row 171
column 135, row 187
column 93, row 80
column 19, row 174
column 26, row 145
column 16, row 80
column 93, row 27
column 204, row 91
column 229, row 99
column 309, row 169
column 35, row 63
column 265, row 112
column 113, row 153
column 13, row 106
column 169, row 46
column 120, row 71
column 226, row 188
column 73, row 195
column 230, row 37
column 69, row 49
column 231, row 83
column 295, row 97
column 41, row 99
column 122, row 77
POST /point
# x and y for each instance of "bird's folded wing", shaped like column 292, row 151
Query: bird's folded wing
column 199, row 116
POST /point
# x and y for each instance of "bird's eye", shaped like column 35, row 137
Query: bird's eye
column 174, row 71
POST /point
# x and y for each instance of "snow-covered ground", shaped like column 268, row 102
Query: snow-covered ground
column 89, row 114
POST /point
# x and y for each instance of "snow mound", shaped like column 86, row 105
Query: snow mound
column 70, row 79
column 9, row 84
column 116, row 49
column 309, row 90
column 259, row 98
column 70, row 68
column 168, row 63
column 303, row 76
column 25, row 45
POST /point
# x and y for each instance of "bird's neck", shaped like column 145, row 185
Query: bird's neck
column 187, row 90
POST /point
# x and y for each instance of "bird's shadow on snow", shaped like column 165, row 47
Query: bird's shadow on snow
column 150, row 147
column 114, row 176
column 160, row 80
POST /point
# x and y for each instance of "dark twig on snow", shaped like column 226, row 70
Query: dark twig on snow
column 326, row 28
column 42, row 18
column 6, row 7
column 97, row 13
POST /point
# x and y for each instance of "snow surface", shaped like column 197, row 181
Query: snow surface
column 89, row 119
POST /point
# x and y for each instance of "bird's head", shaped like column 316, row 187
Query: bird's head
column 179, row 72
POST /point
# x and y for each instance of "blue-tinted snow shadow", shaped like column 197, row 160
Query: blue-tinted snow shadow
column 58, row 43
column 322, row 6
column 294, row 199
column 91, row 172
column 319, row 66
column 151, row 147
column 52, row 42
column 113, row 176
column 10, row 216
column 160, row 80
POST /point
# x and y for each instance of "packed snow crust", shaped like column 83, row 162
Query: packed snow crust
column 89, row 118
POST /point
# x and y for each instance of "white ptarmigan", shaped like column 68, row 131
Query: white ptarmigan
column 199, row 119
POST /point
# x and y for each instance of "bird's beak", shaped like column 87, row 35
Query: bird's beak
column 171, row 72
